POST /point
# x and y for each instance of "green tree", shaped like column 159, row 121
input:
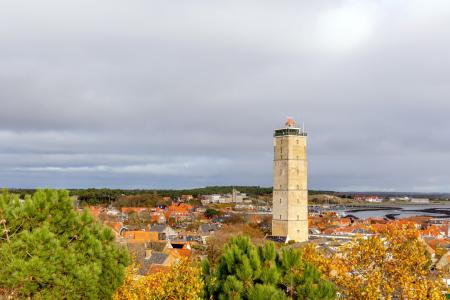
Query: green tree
column 49, row 250
column 266, row 292
column 311, row 286
column 211, row 212
column 244, row 271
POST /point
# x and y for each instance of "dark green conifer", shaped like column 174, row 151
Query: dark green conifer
column 49, row 250
column 244, row 271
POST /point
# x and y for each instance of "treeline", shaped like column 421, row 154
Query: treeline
column 106, row 196
column 146, row 200
column 94, row 196
column 250, row 190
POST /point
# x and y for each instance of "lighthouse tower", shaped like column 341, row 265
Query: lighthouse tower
column 290, row 178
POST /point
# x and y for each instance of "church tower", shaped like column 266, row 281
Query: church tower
column 290, row 178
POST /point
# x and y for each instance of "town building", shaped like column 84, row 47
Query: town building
column 186, row 197
column 290, row 191
column 234, row 197
column 373, row 199
column 420, row 200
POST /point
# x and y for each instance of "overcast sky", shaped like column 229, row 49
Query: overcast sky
column 172, row 94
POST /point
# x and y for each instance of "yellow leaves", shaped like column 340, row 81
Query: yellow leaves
column 182, row 281
column 393, row 264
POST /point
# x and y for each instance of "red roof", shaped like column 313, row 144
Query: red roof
column 290, row 122
column 127, row 210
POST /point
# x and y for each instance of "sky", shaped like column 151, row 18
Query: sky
column 178, row 94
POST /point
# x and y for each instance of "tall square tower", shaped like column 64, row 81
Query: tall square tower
column 290, row 180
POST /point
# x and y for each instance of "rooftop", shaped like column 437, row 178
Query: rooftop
column 290, row 128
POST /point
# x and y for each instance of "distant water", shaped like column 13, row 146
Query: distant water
column 401, row 211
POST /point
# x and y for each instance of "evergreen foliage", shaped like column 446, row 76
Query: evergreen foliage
column 49, row 250
column 94, row 196
column 245, row 271
column 139, row 200
column 211, row 212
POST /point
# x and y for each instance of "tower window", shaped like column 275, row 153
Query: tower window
column 280, row 217
column 298, row 218
column 298, row 187
column 297, row 142
column 280, row 200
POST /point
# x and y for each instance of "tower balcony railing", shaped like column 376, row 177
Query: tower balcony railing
column 289, row 131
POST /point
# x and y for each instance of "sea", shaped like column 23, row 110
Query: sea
column 398, row 212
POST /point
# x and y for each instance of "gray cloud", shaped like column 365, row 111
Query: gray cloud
column 181, row 94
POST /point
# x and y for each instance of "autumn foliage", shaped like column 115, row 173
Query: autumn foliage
column 181, row 281
column 393, row 264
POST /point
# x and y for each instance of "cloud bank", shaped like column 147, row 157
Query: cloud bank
column 158, row 94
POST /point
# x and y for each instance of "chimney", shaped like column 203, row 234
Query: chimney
column 148, row 253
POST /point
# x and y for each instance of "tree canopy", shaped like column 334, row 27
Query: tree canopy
column 391, row 265
column 181, row 281
column 49, row 250
column 244, row 271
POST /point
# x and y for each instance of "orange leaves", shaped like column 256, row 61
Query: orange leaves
column 393, row 264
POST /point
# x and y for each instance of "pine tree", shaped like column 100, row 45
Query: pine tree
column 311, row 286
column 244, row 271
column 49, row 250
column 266, row 292
column 238, row 268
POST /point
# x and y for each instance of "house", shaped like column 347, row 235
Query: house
column 158, row 217
column 117, row 227
column 113, row 212
column 207, row 229
column 434, row 232
column 165, row 232
column 186, row 197
column 313, row 230
column 140, row 236
column 159, row 245
column 374, row 199
column 420, row 200
column 444, row 263
column 179, row 249
column 430, row 251
column 95, row 211
column 138, row 210
column 153, row 258
column 214, row 198
column 178, row 211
